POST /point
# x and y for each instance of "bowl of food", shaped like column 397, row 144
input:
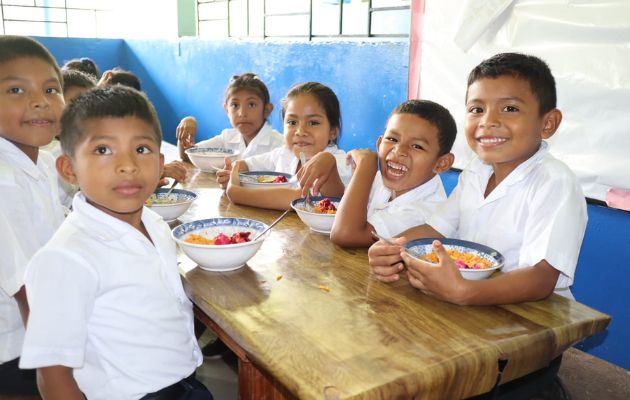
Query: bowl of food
column 321, row 215
column 210, row 159
column 170, row 205
column 221, row 243
column 475, row 261
column 262, row 179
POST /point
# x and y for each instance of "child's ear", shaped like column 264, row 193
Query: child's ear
column 161, row 164
column 378, row 142
column 444, row 163
column 268, row 110
column 65, row 169
column 551, row 121
column 333, row 134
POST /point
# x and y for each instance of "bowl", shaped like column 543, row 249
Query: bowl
column 210, row 159
column 172, row 206
column 262, row 179
column 318, row 222
column 423, row 247
column 225, row 257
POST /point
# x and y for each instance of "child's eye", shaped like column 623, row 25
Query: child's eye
column 290, row 122
column 252, row 105
column 53, row 90
column 391, row 139
column 475, row 110
column 102, row 150
column 143, row 150
column 417, row 147
column 510, row 109
column 314, row 123
column 233, row 105
column 16, row 90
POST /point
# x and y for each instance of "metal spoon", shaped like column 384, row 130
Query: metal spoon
column 170, row 189
column 272, row 224
column 389, row 241
column 308, row 203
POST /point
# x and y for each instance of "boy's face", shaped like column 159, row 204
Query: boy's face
column 408, row 152
column 117, row 165
column 31, row 103
column 247, row 112
column 503, row 125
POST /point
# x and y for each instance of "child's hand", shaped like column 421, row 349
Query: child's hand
column 316, row 172
column 223, row 175
column 442, row 281
column 361, row 156
column 176, row 170
column 186, row 132
column 233, row 177
column 385, row 260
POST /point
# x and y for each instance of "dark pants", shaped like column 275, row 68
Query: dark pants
column 14, row 380
column 186, row 389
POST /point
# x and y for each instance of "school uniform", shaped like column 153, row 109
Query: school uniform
column 266, row 140
column 390, row 218
column 110, row 304
column 30, row 212
column 537, row 212
column 282, row 159
column 66, row 190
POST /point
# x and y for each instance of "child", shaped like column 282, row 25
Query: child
column 83, row 64
column 31, row 103
column 109, row 316
column 415, row 147
column 514, row 197
column 247, row 105
column 312, row 125
column 118, row 76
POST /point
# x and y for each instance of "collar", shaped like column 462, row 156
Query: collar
column 383, row 194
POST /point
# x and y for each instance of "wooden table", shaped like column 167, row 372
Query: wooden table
column 307, row 320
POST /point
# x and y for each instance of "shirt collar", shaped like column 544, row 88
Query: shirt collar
column 21, row 160
column 419, row 192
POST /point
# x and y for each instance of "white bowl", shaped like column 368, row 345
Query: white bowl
column 209, row 159
column 423, row 247
column 225, row 257
column 254, row 178
column 171, row 207
column 321, row 223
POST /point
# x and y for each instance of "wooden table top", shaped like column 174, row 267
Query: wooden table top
column 311, row 315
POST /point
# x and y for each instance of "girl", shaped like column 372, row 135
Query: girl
column 247, row 105
column 312, row 125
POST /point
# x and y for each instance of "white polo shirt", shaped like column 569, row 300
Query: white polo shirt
column 282, row 159
column 390, row 218
column 266, row 140
column 30, row 212
column 538, row 212
column 110, row 304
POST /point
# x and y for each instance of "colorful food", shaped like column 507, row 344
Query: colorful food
column 154, row 200
column 325, row 207
column 272, row 179
column 463, row 260
column 221, row 238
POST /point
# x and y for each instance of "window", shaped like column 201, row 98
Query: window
column 307, row 19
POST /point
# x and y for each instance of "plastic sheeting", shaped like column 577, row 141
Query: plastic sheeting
column 587, row 46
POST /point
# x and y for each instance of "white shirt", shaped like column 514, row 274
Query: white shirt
column 66, row 190
column 266, row 140
column 536, row 213
column 282, row 159
column 108, row 303
column 390, row 218
column 30, row 212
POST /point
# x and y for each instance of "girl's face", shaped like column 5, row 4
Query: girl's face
column 306, row 126
column 247, row 113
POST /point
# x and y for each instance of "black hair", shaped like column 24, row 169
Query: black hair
column 121, row 77
column 107, row 102
column 75, row 78
column 248, row 81
column 83, row 64
column 434, row 113
column 327, row 98
column 529, row 68
column 13, row 47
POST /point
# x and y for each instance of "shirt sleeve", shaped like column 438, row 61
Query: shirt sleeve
column 61, row 289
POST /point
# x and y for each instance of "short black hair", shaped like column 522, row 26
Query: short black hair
column 248, row 81
column 325, row 95
column 13, row 47
column 527, row 67
column 125, row 78
column 434, row 113
column 108, row 102
column 75, row 78
column 83, row 64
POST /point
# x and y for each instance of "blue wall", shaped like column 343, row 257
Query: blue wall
column 188, row 77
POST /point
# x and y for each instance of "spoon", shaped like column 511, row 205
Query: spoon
column 272, row 224
column 389, row 241
column 170, row 189
column 308, row 204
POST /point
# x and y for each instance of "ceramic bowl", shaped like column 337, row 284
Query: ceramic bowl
column 321, row 223
column 262, row 179
column 422, row 247
column 225, row 257
column 209, row 159
column 172, row 206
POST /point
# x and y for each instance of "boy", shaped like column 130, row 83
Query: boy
column 109, row 316
column 415, row 147
column 515, row 197
column 30, row 107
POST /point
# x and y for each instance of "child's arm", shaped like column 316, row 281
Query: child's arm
column 186, row 132
column 446, row 283
column 321, row 173
column 57, row 383
column 351, row 228
column 272, row 198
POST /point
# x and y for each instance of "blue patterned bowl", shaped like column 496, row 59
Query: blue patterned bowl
column 172, row 206
column 209, row 159
column 260, row 179
column 225, row 257
column 422, row 247
column 321, row 223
